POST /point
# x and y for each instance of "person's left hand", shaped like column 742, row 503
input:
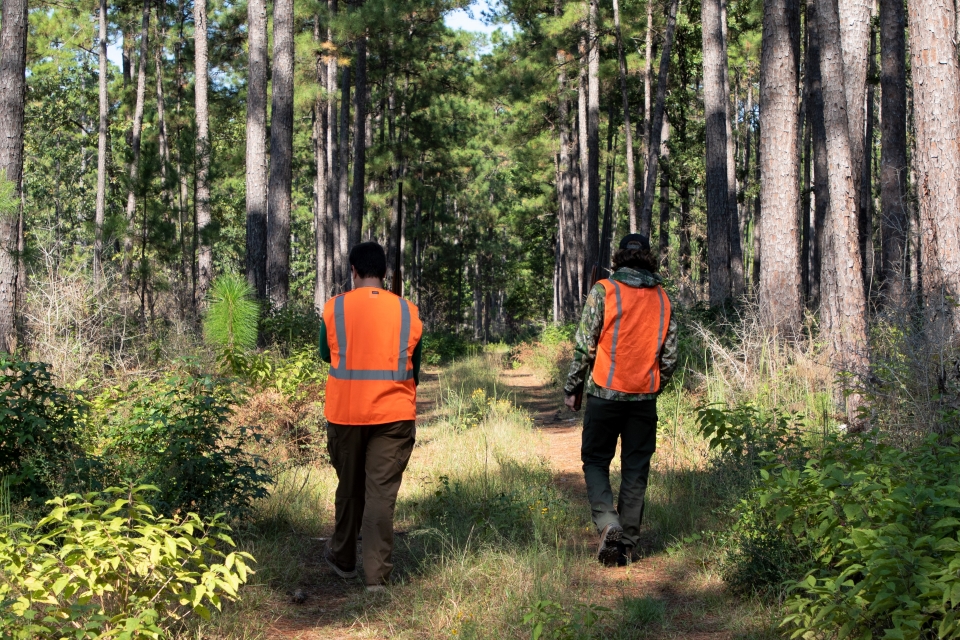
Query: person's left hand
column 570, row 401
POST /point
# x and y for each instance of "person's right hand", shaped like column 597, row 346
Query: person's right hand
column 571, row 402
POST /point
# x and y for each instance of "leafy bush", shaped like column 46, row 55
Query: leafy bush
column 439, row 348
column 290, row 375
column 232, row 316
column 549, row 356
column 292, row 328
column 176, row 434
column 881, row 526
column 39, row 431
column 105, row 565
column 551, row 620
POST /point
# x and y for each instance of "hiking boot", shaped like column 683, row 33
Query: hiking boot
column 346, row 574
column 608, row 551
column 628, row 555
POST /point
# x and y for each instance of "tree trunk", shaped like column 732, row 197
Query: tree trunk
column 321, row 215
column 893, row 154
column 569, row 287
column 656, row 122
column 715, row 116
column 135, row 134
column 627, row 130
column 818, row 135
column 647, row 93
column 936, row 117
column 104, row 99
column 359, row 143
column 163, row 140
column 855, row 23
column 205, row 257
column 583, row 89
column 281, row 157
column 343, row 193
column 865, row 198
column 844, row 308
column 733, row 214
column 664, row 200
column 257, row 148
column 592, row 235
column 779, row 291
column 13, row 87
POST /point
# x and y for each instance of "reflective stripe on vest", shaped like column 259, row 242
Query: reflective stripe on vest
column 341, row 372
column 633, row 316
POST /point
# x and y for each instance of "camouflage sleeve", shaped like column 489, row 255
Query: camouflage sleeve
column 668, row 356
column 588, row 335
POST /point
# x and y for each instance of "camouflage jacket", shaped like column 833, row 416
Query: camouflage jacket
column 588, row 335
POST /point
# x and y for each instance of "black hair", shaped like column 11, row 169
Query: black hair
column 369, row 260
column 640, row 259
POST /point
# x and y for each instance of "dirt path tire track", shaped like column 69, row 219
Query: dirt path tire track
column 656, row 576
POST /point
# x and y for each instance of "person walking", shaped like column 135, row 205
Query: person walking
column 371, row 338
column 628, row 336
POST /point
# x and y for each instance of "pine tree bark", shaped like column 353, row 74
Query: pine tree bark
column 13, row 87
column 664, row 232
column 733, row 215
column 936, row 117
column 359, row 143
column 592, row 232
column 569, row 289
column 627, row 129
column 256, row 178
column 343, row 192
column 583, row 91
column 779, row 291
column 893, row 154
column 136, row 130
column 715, row 116
column 163, row 140
column 321, row 215
column 647, row 96
column 855, row 24
column 656, row 121
column 818, row 135
column 205, row 253
column 104, row 129
column 865, row 197
column 843, row 305
column 281, row 157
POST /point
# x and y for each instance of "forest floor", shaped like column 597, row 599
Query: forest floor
column 673, row 592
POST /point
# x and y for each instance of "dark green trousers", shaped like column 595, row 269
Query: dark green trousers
column 369, row 461
column 634, row 423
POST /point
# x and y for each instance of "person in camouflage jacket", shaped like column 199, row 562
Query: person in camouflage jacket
column 613, row 415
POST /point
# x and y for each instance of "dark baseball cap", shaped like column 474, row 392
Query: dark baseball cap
column 635, row 241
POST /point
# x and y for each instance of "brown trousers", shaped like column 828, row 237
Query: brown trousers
column 369, row 461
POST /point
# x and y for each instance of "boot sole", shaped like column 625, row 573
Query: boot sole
column 609, row 553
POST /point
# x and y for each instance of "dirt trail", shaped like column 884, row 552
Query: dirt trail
column 691, row 604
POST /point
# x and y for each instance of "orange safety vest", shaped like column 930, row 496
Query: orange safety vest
column 635, row 322
column 372, row 334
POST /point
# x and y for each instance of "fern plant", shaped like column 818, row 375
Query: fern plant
column 232, row 314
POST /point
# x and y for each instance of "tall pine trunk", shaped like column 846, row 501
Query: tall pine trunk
column 779, row 291
column 257, row 148
column 664, row 232
column 359, row 143
column 936, row 117
column 343, row 193
column 205, row 255
column 569, row 288
column 647, row 96
column 893, row 154
column 627, row 130
column 591, row 225
column 733, row 216
column 321, row 214
column 818, row 139
column 656, row 121
column 13, row 87
column 102, row 135
column 715, row 116
column 843, row 304
column 854, row 24
column 136, row 131
column 281, row 157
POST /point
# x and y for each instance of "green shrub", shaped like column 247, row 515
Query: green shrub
column 290, row 375
column 292, row 328
column 439, row 348
column 39, row 432
column 551, row 620
column 105, row 565
column 232, row 315
column 176, row 434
